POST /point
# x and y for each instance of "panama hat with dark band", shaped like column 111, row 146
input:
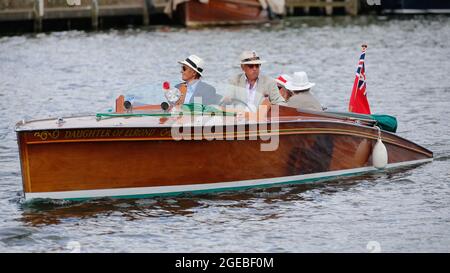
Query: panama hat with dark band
column 194, row 62
column 250, row 57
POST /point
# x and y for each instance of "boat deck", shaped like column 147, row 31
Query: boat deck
column 155, row 118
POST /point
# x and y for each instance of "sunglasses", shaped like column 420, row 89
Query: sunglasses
column 253, row 65
column 184, row 68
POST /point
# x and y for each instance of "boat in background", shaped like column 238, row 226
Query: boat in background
column 415, row 6
column 220, row 12
column 139, row 153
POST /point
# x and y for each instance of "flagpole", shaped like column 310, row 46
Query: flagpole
column 363, row 49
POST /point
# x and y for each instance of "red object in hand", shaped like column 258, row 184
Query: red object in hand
column 166, row 85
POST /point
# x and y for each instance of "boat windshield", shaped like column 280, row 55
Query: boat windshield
column 150, row 97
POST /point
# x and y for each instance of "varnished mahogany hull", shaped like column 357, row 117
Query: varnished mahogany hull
column 83, row 160
column 221, row 12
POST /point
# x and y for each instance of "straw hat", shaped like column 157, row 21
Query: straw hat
column 298, row 82
column 250, row 57
column 194, row 62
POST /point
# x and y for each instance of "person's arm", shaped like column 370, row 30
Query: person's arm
column 215, row 97
column 211, row 96
column 274, row 94
column 183, row 90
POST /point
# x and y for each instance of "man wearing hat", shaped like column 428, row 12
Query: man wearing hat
column 296, row 90
column 251, row 87
column 191, row 72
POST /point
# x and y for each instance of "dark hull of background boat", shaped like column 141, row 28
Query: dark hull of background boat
column 221, row 12
column 416, row 6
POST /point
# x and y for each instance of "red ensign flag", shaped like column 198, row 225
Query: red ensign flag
column 358, row 100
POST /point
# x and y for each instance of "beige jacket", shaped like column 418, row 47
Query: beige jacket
column 266, row 87
column 304, row 101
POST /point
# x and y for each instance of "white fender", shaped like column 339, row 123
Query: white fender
column 379, row 154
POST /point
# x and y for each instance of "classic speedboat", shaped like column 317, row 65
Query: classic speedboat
column 155, row 150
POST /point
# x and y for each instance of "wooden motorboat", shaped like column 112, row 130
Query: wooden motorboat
column 141, row 154
column 221, row 12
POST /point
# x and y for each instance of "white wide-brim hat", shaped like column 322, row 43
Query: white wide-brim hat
column 299, row 82
column 250, row 57
column 194, row 62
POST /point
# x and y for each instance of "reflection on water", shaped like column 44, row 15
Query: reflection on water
column 407, row 210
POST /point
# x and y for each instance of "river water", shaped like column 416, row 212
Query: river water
column 406, row 210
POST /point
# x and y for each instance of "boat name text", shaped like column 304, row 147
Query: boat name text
column 101, row 133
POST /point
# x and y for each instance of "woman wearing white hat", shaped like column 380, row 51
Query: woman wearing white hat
column 195, row 90
column 296, row 90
